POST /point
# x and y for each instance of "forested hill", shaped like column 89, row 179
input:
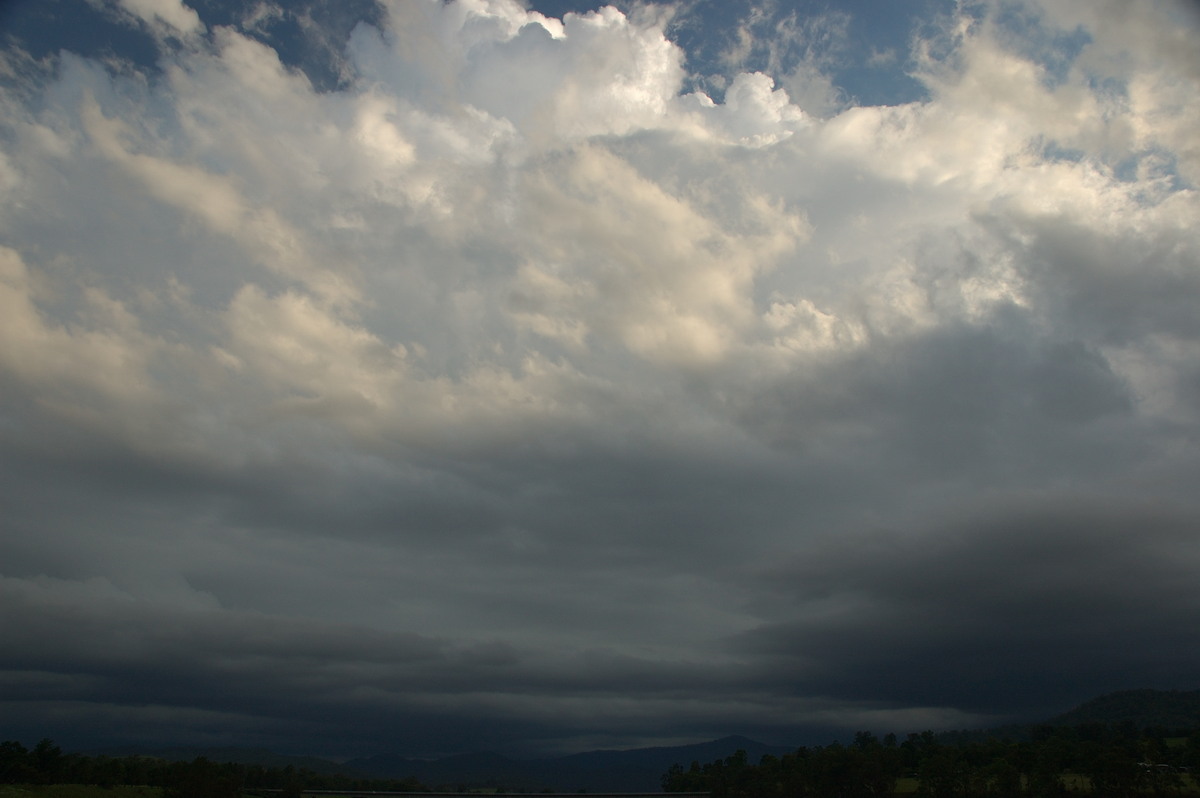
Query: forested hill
column 1164, row 709
column 1127, row 744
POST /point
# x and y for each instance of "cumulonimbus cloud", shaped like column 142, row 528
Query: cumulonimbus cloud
column 510, row 343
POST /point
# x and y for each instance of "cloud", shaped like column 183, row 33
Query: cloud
column 1036, row 593
column 165, row 16
column 507, row 386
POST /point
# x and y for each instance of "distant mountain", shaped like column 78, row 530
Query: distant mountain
column 1165, row 709
column 1169, row 709
column 242, row 756
column 636, row 770
column 483, row 769
column 640, row 769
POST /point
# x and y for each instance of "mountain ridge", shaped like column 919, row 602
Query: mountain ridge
column 244, row 756
column 640, row 769
column 1170, row 709
column 605, row 770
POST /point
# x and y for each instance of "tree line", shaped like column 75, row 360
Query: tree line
column 1094, row 759
column 46, row 763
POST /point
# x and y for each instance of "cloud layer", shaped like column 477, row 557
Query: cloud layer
column 506, row 392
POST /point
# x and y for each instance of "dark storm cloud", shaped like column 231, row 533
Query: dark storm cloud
column 117, row 657
column 1006, row 609
column 1083, row 278
column 985, row 404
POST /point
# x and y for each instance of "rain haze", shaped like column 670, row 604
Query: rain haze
column 431, row 377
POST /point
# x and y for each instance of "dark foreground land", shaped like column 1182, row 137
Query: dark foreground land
column 1055, row 762
column 1134, row 744
column 1092, row 759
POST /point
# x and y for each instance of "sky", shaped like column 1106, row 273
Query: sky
column 429, row 377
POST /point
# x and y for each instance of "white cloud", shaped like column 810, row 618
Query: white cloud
column 171, row 15
column 106, row 356
column 645, row 268
column 311, row 355
column 756, row 113
column 500, row 190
